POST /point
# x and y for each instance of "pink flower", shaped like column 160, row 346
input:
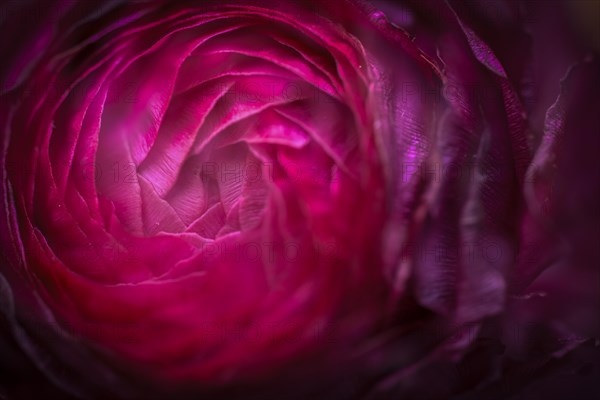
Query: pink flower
column 295, row 199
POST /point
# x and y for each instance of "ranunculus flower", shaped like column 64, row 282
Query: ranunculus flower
column 295, row 199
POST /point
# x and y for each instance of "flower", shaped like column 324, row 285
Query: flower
column 247, row 198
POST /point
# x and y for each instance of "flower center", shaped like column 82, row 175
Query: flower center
column 210, row 127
